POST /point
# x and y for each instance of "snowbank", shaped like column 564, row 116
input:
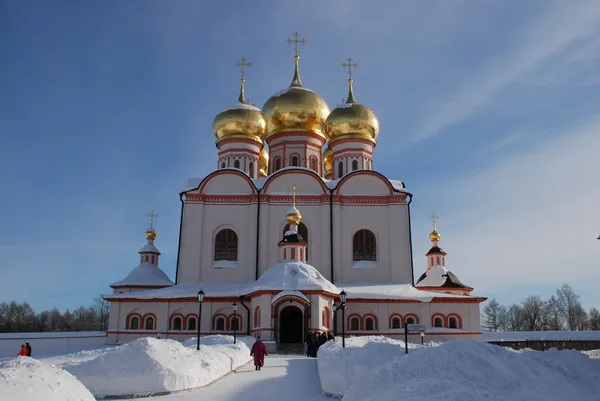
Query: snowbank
column 339, row 367
column 150, row 365
column 28, row 379
column 460, row 370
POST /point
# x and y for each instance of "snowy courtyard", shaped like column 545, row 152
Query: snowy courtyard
column 368, row 368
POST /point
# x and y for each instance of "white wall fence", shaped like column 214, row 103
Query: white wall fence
column 46, row 344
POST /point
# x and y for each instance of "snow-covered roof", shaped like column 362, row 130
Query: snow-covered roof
column 439, row 276
column 186, row 290
column 149, row 248
column 292, row 276
column 145, row 274
column 392, row 291
column 289, row 293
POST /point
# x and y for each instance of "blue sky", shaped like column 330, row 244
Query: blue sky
column 489, row 113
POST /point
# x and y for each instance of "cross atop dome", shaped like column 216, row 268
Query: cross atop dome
column 434, row 236
column 242, row 64
column 296, row 80
column 151, row 232
column 350, row 64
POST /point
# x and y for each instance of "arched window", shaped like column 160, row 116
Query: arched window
column 325, row 317
column 223, row 165
column 236, row 164
column 251, row 170
column 134, row 323
column 368, row 165
column 313, row 163
column 149, row 323
column 364, row 246
column 369, row 324
column 410, row 320
column 226, row 244
column 234, row 323
column 176, row 323
column 340, row 170
column 354, row 165
column 302, row 230
column 294, row 161
column 191, row 323
column 257, row 317
column 396, row 323
column 220, row 323
column 453, row 322
column 277, row 164
column 438, row 322
column 354, row 323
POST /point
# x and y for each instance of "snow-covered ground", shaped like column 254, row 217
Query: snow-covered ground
column 378, row 369
column 27, row 379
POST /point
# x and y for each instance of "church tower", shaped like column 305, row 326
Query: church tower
column 293, row 247
column 296, row 124
column 436, row 255
column 239, row 133
column 352, row 129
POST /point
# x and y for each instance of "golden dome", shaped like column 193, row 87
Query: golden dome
column 296, row 108
column 151, row 234
column 352, row 120
column 263, row 163
column 327, row 161
column 240, row 121
column 293, row 216
column 434, row 236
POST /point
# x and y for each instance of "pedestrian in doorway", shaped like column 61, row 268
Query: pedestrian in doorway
column 259, row 351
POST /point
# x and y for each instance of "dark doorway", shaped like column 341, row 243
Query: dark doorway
column 290, row 325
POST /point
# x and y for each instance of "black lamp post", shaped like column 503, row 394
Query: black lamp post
column 200, row 300
column 343, row 306
column 422, row 337
column 335, row 308
column 234, row 307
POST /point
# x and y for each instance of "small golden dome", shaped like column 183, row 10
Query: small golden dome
column 293, row 216
column 352, row 120
column 327, row 161
column 434, row 236
column 263, row 163
column 296, row 108
column 240, row 121
column 151, row 234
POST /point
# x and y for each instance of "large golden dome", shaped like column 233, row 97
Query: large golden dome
column 296, row 108
column 352, row 120
column 240, row 121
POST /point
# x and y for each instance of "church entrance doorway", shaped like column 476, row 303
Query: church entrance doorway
column 290, row 325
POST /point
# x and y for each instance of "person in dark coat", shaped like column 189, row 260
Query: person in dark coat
column 23, row 351
column 330, row 336
column 259, row 351
column 322, row 339
column 308, row 345
column 28, row 349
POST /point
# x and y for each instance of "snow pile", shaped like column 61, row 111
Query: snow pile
column 292, row 276
column 25, row 378
column 149, row 365
column 340, row 367
column 462, row 370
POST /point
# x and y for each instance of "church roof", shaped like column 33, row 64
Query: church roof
column 435, row 249
column 186, row 290
column 439, row 276
column 392, row 291
column 292, row 276
column 149, row 248
column 145, row 274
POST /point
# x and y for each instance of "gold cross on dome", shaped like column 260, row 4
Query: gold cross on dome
column 294, row 190
column 350, row 64
column 243, row 64
column 152, row 216
column 296, row 41
column 433, row 218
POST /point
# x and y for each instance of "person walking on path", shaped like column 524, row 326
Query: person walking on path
column 23, row 351
column 28, row 349
column 259, row 351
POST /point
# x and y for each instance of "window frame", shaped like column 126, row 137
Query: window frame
column 364, row 246
column 226, row 248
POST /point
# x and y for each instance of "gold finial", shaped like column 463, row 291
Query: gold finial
column 294, row 190
column 296, row 80
column 293, row 216
column 242, row 64
column 350, row 64
column 434, row 236
column 151, row 232
column 152, row 216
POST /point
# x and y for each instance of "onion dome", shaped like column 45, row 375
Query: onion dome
column 434, row 236
column 328, row 161
column 151, row 234
column 293, row 216
column 296, row 108
column 240, row 121
column 352, row 120
column 263, row 163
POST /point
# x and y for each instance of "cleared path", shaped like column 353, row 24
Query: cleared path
column 284, row 377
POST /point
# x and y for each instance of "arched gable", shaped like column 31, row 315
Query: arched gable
column 306, row 180
column 225, row 182
column 364, row 182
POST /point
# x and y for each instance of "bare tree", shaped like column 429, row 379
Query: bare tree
column 102, row 308
column 570, row 306
column 492, row 315
column 513, row 318
column 594, row 319
column 554, row 314
column 533, row 314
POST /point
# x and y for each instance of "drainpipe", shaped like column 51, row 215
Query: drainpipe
column 412, row 269
column 331, row 231
column 179, row 241
column 247, row 313
column 257, row 233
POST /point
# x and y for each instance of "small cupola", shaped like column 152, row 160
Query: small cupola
column 293, row 247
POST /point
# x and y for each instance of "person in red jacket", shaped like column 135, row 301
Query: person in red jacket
column 259, row 350
column 23, row 351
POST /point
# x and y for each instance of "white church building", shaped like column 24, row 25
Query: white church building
column 294, row 214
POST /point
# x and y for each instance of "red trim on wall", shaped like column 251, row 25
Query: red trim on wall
column 440, row 315
column 392, row 316
column 241, row 320
column 214, row 321
column 129, row 316
column 172, row 318
column 364, row 321
column 360, row 322
column 411, row 315
column 153, row 316
column 458, row 318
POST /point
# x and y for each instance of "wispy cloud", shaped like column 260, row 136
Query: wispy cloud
column 559, row 27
